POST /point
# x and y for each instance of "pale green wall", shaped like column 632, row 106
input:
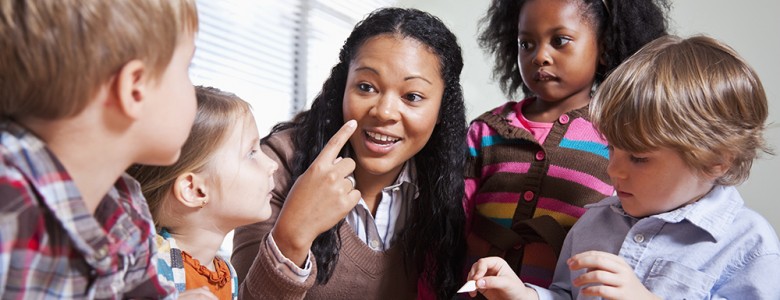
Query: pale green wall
column 751, row 27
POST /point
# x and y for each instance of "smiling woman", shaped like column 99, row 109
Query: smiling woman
column 393, row 90
column 399, row 233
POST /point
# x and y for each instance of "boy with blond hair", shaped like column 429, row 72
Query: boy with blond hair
column 87, row 88
column 685, row 120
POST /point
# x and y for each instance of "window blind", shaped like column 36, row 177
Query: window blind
column 273, row 54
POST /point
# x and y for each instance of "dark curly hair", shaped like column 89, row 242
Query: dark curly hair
column 623, row 28
column 434, row 239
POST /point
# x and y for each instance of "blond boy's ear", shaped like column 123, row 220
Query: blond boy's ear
column 131, row 87
column 719, row 170
column 190, row 190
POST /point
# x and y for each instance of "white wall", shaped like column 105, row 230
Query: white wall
column 751, row 27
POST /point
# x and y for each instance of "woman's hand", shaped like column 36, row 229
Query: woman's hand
column 318, row 199
column 495, row 279
column 609, row 275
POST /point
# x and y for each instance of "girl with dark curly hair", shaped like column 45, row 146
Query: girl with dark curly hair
column 399, row 233
column 533, row 164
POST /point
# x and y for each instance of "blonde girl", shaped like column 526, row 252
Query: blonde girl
column 221, row 181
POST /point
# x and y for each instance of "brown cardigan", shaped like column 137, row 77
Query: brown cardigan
column 361, row 273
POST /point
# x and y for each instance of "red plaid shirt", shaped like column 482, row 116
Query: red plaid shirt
column 52, row 247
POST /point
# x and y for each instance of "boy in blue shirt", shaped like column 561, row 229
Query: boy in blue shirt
column 684, row 118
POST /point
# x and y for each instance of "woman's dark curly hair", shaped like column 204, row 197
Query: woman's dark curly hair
column 623, row 28
column 434, row 240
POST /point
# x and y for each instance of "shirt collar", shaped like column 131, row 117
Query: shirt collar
column 407, row 179
column 712, row 213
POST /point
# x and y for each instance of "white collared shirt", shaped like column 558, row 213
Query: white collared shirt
column 379, row 231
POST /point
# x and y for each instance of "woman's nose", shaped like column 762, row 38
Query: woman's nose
column 386, row 108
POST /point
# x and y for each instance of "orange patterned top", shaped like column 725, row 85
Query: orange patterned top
column 198, row 275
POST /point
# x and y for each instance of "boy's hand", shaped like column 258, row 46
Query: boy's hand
column 318, row 199
column 496, row 280
column 611, row 276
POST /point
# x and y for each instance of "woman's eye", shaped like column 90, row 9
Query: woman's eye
column 365, row 87
column 412, row 97
column 637, row 159
column 560, row 41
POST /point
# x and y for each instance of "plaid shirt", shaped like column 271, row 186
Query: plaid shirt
column 51, row 246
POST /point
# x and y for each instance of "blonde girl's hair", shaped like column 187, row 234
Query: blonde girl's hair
column 55, row 54
column 218, row 111
column 694, row 95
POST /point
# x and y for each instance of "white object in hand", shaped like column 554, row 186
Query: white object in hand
column 470, row 286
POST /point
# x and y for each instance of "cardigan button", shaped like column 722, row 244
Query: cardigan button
column 564, row 119
column 528, row 195
column 539, row 155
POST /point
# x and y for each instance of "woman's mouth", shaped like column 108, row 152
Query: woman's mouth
column 379, row 143
column 381, row 139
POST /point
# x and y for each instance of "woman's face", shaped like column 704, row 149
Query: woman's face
column 394, row 90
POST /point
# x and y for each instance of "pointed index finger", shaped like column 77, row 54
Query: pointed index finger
column 337, row 141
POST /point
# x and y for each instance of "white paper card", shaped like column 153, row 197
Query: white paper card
column 470, row 286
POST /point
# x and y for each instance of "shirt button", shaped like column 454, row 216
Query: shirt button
column 639, row 238
column 564, row 118
column 540, row 155
column 374, row 244
column 102, row 252
column 528, row 195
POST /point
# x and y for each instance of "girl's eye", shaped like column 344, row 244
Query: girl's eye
column 525, row 45
column 412, row 97
column 559, row 41
column 365, row 87
column 253, row 153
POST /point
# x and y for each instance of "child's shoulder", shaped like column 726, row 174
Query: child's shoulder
column 752, row 231
column 502, row 114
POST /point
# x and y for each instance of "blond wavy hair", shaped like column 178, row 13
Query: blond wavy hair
column 54, row 55
column 696, row 96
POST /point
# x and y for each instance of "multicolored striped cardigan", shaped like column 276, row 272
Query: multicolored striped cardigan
column 522, row 197
column 170, row 264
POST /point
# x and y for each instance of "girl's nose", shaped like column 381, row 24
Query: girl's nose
column 269, row 163
column 542, row 56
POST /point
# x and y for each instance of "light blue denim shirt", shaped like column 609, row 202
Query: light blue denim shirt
column 715, row 248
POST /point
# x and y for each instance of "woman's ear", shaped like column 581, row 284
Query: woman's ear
column 130, row 88
column 190, row 190
column 602, row 55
